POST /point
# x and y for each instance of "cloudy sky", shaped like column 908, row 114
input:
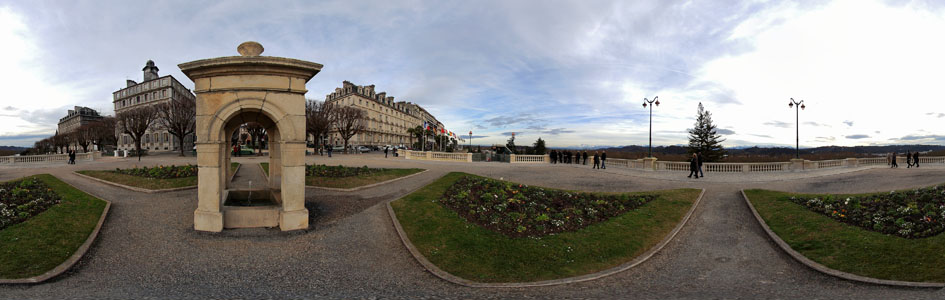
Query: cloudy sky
column 572, row 72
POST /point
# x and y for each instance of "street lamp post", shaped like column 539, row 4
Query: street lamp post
column 651, row 103
column 470, row 141
column 800, row 105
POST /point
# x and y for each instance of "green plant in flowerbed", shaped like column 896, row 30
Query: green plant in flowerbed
column 517, row 210
column 161, row 172
column 46, row 239
column 347, row 177
column 910, row 214
column 22, row 199
column 153, row 178
column 435, row 220
column 868, row 235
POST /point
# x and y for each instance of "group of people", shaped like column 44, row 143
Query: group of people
column 912, row 159
column 575, row 157
column 388, row 149
column 71, row 157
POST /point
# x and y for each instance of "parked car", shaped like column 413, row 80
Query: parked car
column 338, row 148
column 363, row 149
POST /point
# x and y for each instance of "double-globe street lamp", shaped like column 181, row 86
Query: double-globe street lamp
column 799, row 105
column 651, row 103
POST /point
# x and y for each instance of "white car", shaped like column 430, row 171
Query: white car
column 363, row 149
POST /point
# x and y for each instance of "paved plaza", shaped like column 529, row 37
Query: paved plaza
column 148, row 248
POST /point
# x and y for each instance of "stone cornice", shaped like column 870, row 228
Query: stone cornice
column 250, row 65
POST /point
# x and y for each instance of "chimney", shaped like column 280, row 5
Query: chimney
column 381, row 96
column 130, row 82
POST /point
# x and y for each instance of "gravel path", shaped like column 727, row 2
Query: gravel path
column 147, row 247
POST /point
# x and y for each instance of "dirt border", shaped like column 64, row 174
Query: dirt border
column 72, row 260
column 588, row 277
column 364, row 186
column 824, row 269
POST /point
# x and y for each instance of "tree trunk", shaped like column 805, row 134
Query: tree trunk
column 138, row 148
column 181, row 141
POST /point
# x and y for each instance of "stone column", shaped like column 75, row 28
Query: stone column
column 208, row 217
column 850, row 163
column 649, row 163
column 294, row 215
column 797, row 164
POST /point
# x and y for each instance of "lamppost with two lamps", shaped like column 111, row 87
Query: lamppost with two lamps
column 800, row 105
column 654, row 102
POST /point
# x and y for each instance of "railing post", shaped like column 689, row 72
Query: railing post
column 511, row 158
column 468, row 157
column 850, row 163
column 649, row 163
column 797, row 164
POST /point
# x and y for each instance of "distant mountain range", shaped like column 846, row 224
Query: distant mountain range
column 13, row 148
column 676, row 149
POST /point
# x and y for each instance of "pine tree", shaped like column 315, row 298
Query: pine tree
column 704, row 139
column 511, row 144
column 540, row 147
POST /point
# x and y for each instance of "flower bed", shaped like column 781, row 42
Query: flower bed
column 518, row 210
column 20, row 200
column 161, row 172
column 910, row 214
column 338, row 171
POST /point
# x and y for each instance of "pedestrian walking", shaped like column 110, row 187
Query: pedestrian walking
column 596, row 161
column 893, row 161
column 603, row 160
column 694, row 166
column 585, row 157
column 385, row 152
column 915, row 159
column 553, row 155
column 71, row 154
column 908, row 159
column 330, row 149
column 699, row 157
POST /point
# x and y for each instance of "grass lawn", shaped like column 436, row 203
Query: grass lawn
column 147, row 183
column 849, row 248
column 46, row 240
column 353, row 181
column 475, row 253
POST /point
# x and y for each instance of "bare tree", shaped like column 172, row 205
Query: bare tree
column 256, row 133
column 319, row 119
column 179, row 118
column 60, row 142
column 43, row 146
column 349, row 121
column 82, row 136
column 104, row 133
column 135, row 122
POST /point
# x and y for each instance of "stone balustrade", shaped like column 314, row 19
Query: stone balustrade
column 528, row 159
column 438, row 156
column 793, row 165
column 27, row 159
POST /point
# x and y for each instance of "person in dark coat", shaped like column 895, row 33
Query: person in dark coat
column 915, row 159
column 699, row 156
column 908, row 159
column 694, row 166
column 596, row 161
column 585, row 157
column 385, row 152
column 603, row 159
column 71, row 157
column 893, row 161
column 551, row 156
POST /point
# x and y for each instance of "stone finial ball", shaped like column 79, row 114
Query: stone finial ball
column 250, row 49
